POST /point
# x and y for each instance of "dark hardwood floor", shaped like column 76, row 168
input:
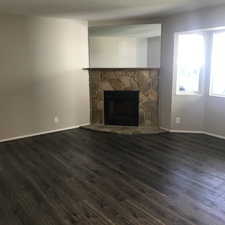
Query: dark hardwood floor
column 90, row 178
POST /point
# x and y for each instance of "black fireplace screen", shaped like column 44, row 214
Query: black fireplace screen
column 121, row 108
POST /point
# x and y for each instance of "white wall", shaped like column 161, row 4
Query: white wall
column 154, row 50
column 197, row 112
column 117, row 52
column 41, row 61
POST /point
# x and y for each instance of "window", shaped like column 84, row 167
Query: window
column 217, row 85
column 190, row 62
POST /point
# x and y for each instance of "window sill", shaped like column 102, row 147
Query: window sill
column 188, row 94
column 218, row 96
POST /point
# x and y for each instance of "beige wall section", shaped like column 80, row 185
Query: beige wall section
column 41, row 61
column 154, row 46
column 196, row 112
column 118, row 52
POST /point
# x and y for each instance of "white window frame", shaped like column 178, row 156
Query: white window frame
column 210, row 72
column 201, row 76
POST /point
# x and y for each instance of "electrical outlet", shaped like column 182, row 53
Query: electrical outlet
column 56, row 119
column 178, row 120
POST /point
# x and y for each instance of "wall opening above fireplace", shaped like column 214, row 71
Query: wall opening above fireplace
column 121, row 108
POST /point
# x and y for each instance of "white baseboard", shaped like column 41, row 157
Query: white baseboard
column 193, row 132
column 166, row 129
column 215, row 135
column 187, row 131
column 42, row 133
column 77, row 126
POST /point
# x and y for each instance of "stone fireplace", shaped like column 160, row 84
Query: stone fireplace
column 120, row 82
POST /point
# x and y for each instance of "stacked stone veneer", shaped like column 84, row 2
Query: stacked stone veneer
column 143, row 80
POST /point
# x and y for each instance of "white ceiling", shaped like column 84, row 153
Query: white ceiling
column 132, row 31
column 93, row 10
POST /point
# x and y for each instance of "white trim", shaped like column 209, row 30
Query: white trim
column 216, row 95
column 179, row 93
column 187, row 131
column 193, row 132
column 42, row 133
column 166, row 129
column 204, row 30
column 214, row 135
column 182, row 131
column 85, row 124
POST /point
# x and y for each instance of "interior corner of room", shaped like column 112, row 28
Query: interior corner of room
column 112, row 112
column 194, row 41
column 44, row 87
column 41, row 75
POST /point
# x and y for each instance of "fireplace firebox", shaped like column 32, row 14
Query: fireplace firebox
column 121, row 108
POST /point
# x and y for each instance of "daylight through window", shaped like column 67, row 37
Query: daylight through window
column 190, row 62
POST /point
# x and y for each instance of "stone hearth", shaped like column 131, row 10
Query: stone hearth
column 129, row 130
column 144, row 80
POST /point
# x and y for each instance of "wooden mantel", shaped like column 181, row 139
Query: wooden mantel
column 115, row 68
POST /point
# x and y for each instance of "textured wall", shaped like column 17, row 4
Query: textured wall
column 146, row 81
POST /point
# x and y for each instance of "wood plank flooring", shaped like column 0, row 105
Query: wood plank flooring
column 90, row 178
